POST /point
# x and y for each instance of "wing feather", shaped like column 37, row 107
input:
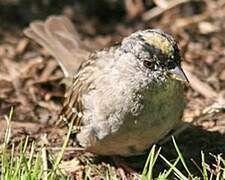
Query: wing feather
column 72, row 107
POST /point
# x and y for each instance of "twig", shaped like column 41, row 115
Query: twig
column 198, row 85
column 157, row 11
column 187, row 21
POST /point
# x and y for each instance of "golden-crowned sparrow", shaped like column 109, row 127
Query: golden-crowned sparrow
column 123, row 98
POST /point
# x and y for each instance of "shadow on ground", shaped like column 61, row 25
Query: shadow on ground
column 190, row 142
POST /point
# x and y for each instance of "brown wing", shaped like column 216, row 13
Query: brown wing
column 72, row 106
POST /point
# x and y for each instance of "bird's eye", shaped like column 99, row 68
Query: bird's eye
column 149, row 64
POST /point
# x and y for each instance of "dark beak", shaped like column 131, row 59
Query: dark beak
column 178, row 74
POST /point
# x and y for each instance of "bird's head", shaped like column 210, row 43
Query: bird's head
column 157, row 54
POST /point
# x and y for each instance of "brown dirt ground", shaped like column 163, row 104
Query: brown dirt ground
column 30, row 78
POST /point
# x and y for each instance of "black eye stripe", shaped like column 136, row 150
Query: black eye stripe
column 162, row 57
column 154, row 50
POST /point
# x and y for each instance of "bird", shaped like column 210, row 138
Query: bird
column 122, row 98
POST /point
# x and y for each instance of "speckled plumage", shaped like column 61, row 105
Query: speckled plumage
column 122, row 98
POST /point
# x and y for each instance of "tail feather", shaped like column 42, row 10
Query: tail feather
column 58, row 35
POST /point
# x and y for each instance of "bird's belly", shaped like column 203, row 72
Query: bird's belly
column 160, row 112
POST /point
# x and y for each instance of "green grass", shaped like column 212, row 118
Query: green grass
column 209, row 172
column 28, row 162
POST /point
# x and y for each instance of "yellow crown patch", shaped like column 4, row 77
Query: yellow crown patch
column 160, row 42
